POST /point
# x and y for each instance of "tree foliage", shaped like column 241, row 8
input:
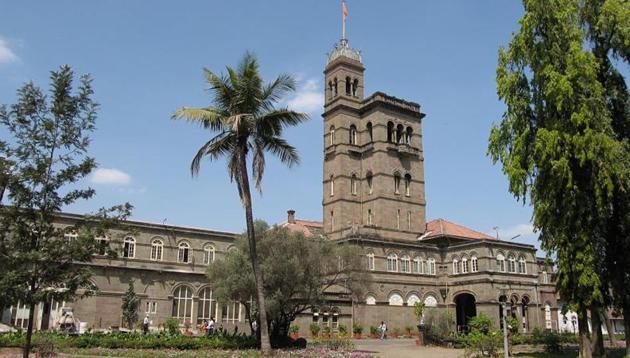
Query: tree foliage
column 129, row 306
column 244, row 114
column 299, row 272
column 561, row 141
column 44, row 158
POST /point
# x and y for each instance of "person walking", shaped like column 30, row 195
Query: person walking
column 145, row 324
column 383, row 329
column 210, row 329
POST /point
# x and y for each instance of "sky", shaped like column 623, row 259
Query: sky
column 146, row 60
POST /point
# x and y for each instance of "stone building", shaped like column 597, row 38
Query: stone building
column 373, row 197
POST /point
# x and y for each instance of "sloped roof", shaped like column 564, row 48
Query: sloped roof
column 307, row 227
column 441, row 227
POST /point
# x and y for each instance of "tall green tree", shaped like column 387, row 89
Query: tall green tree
column 557, row 146
column 300, row 273
column 48, row 138
column 247, row 123
column 130, row 305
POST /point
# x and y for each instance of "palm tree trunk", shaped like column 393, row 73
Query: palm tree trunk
column 265, row 344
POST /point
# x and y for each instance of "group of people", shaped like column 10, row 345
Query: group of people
column 208, row 326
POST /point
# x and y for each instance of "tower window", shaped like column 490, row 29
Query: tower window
column 348, row 86
column 353, row 134
column 355, row 87
column 396, row 183
column 370, row 132
column 407, row 184
column 332, row 186
column 331, row 135
column 353, row 184
column 330, row 89
column 408, row 220
column 334, row 89
column 398, row 219
column 368, row 178
column 390, row 132
column 399, row 133
column 370, row 217
column 408, row 135
column 332, row 220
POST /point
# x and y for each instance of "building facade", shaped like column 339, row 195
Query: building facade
column 373, row 197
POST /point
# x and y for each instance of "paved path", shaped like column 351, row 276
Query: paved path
column 404, row 348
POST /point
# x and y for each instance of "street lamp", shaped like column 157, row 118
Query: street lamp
column 503, row 314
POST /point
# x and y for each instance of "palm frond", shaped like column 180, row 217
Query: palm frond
column 282, row 150
column 219, row 145
column 209, row 117
column 272, row 123
column 274, row 91
column 258, row 163
column 222, row 90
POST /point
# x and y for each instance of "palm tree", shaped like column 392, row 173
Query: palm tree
column 248, row 124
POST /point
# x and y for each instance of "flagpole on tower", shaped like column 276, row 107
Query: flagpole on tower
column 344, row 14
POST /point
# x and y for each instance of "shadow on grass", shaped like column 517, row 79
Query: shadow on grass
column 610, row 353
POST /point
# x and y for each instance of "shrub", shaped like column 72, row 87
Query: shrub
column 551, row 341
column 294, row 329
column 44, row 346
column 314, row 328
column 343, row 330
column 326, row 330
column 172, row 326
column 333, row 343
column 481, row 323
column 356, row 329
column 484, row 344
column 513, row 324
column 373, row 330
column 409, row 329
column 438, row 325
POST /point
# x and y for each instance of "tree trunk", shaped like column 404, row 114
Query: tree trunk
column 609, row 327
column 265, row 344
column 597, row 347
column 585, row 337
column 29, row 331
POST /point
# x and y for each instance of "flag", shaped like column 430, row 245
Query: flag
column 344, row 10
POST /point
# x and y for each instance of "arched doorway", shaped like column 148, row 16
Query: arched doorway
column 465, row 309
column 525, row 313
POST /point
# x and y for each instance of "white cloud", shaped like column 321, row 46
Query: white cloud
column 6, row 54
column 308, row 97
column 110, row 176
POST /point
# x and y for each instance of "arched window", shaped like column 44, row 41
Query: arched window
column 330, row 88
column 370, row 300
column 522, row 265
column 348, row 86
column 182, row 304
column 415, row 266
column 396, row 183
column 368, row 179
column 183, row 253
column 545, row 277
column 102, row 244
column 431, row 264
column 355, row 87
column 370, row 132
column 464, row 265
column 408, row 135
column 206, row 306
column 335, row 87
column 370, row 261
column 408, row 220
column 407, row 184
column 399, row 133
column 395, row 299
column 392, row 263
column 331, row 135
column 157, row 247
column 430, row 301
column 354, row 184
column 405, row 263
column 500, row 263
column 398, row 219
column 412, row 299
column 332, row 185
column 474, row 264
column 370, row 217
column 390, row 132
column 208, row 254
column 353, row 135
column 511, row 263
column 455, row 266
column 129, row 247
column 548, row 324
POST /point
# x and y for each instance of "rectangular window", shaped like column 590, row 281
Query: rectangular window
column 415, row 266
column 231, row 312
column 370, row 217
column 398, row 219
column 409, row 220
column 370, row 261
column 151, row 307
